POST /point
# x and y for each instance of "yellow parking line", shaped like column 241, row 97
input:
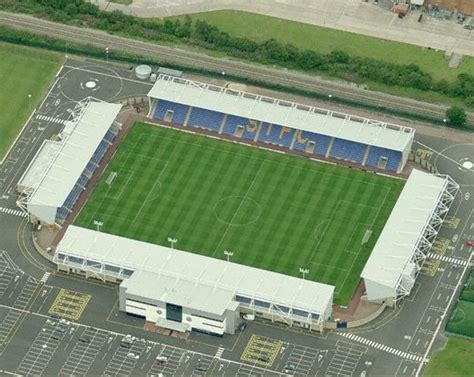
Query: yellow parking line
column 69, row 304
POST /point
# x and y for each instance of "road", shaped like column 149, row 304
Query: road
column 182, row 57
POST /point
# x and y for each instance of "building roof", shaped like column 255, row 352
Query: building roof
column 282, row 112
column 396, row 245
column 184, row 292
column 81, row 137
column 39, row 164
column 181, row 271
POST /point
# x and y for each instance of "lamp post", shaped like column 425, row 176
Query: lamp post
column 228, row 254
column 173, row 241
column 98, row 224
column 304, row 271
column 107, row 54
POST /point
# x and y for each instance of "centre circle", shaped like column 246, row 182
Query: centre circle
column 237, row 210
column 467, row 165
column 91, row 84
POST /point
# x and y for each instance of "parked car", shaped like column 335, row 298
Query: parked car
column 200, row 368
column 243, row 326
column 132, row 355
column 85, row 339
column 289, row 368
column 51, row 322
column 470, row 243
column 161, row 360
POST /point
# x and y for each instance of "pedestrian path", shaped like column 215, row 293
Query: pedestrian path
column 13, row 211
column 381, row 347
column 444, row 258
column 45, row 277
column 50, row 119
column 219, row 352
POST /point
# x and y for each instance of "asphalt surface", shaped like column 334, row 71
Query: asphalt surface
column 232, row 67
column 31, row 291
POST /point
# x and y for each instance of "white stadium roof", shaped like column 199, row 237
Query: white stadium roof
column 281, row 112
column 191, row 279
column 81, row 137
column 393, row 253
column 40, row 164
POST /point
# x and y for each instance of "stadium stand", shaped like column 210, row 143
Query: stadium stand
column 393, row 158
column 407, row 237
column 191, row 285
column 171, row 112
column 312, row 143
column 350, row 138
column 348, row 150
column 207, row 119
column 277, row 135
column 240, row 127
column 61, row 170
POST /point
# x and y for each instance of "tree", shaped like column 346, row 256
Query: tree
column 456, row 116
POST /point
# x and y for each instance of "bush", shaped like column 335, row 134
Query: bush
column 456, row 116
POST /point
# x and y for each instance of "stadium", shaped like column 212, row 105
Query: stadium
column 271, row 208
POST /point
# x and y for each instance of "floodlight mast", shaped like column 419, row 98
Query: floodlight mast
column 98, row 224
column 173, row 241
column 228, row 254
column 304, row 271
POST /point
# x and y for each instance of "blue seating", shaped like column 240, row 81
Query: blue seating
column 179, row 110
column 90, row 168
column 61, row 214
column 72, row 197
column 207, row 119
column 232, row 122
column 110, row 136
column 100, row 151
column 348, row 150
column 83, row 180
column 322, row 142
column 393, row 158
column 276, row 134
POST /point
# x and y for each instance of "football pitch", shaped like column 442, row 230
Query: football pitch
column 273, row 211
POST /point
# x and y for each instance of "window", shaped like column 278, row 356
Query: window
column 243, row 299
column 262, row 304
column 300, row 313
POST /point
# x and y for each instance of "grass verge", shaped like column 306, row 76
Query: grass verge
column 23, row 71
column 455, row 360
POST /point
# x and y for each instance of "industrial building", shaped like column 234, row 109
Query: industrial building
column 62, row 168
column 408, row 235
column 184, row 291
column 254, row 118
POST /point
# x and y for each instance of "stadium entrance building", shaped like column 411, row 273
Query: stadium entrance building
column 184, row 291
column 61, row 169
column 408, row 235
column 283, row 124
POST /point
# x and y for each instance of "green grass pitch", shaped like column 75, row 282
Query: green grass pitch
column 23, row 71
column 273, row 211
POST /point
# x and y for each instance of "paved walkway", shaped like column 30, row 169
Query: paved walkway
column 355, row 16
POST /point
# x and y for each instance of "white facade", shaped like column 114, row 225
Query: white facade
column 410, row 231
column 210, row 292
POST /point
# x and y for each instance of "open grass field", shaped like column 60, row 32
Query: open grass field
column 455, row 360
column 273, row 211
column 462, row 319
column 324, row 40
column 23, row 71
